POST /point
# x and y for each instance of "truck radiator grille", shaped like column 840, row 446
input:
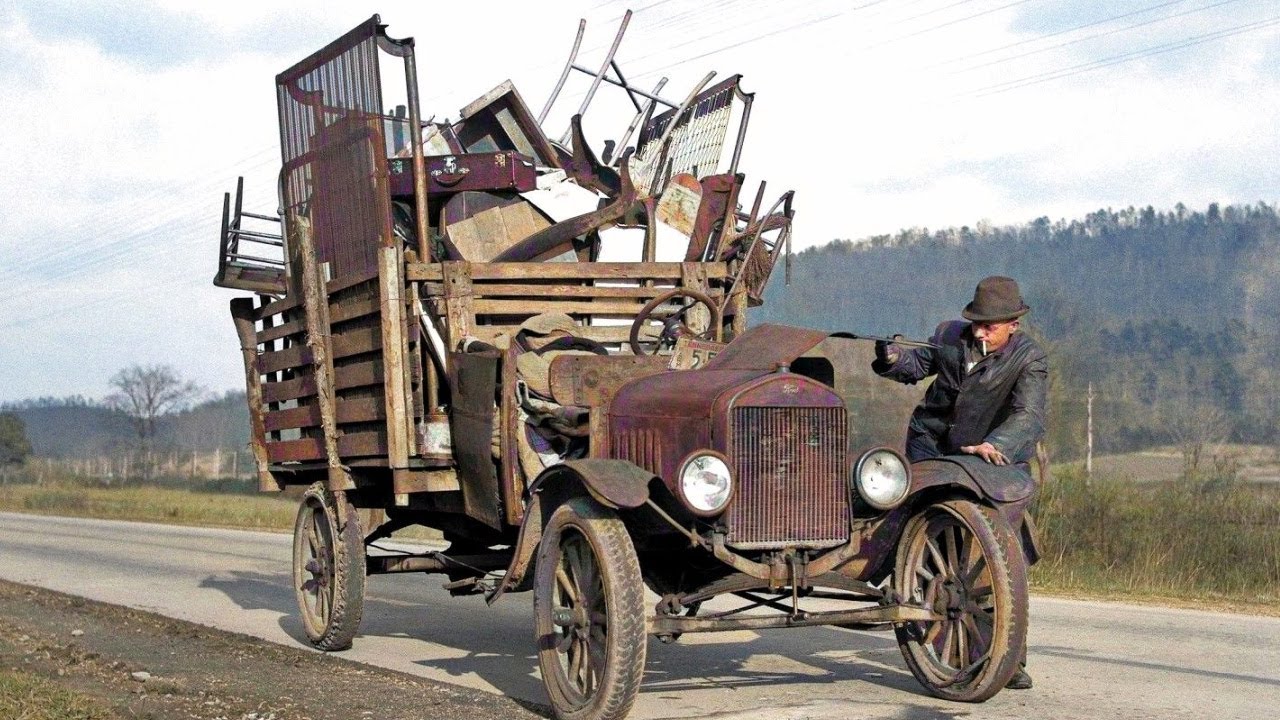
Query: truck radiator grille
column 791, row 470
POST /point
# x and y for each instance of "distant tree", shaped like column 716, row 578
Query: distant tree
column 15, row 448
column 144, row 393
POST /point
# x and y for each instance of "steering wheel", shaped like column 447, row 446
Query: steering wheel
column 673, row 325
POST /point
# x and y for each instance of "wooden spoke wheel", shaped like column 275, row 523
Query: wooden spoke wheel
column 962, row 562
column 328, row 568
column 673, row 319
column 589, row 613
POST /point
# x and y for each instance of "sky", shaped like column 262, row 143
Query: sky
column 125, row 123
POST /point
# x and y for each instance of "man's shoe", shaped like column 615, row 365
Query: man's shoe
column 1020, row 681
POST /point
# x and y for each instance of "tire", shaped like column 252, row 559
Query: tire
column 589, row 613
column 328, row 569
column 962, row 561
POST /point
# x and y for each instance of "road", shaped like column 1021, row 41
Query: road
column 1090, row 660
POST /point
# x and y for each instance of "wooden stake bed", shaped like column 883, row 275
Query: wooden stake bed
column 359, row 356
column 285, row 364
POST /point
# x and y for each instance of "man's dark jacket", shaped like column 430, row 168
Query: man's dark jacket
column 1000, row 400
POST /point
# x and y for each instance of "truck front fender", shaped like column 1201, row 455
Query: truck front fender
column 617, row 484
column 1008, row 488
column 997, row 483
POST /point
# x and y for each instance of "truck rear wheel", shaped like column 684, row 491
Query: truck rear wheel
column 962, row 562
column 589, row 613
column 328, row 568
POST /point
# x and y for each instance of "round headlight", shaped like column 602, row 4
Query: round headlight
column 882, row 479
column 705, row 483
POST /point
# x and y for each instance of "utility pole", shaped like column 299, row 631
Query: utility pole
column 1088, row 452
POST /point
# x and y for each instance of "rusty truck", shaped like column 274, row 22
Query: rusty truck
column 540, row 349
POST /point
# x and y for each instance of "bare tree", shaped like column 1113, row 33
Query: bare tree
column 144, row 393
column 1195, row 427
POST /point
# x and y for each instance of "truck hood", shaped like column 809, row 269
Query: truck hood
column 687, row 394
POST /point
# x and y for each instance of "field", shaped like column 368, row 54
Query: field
column 1252, row 463
column 1141, row 528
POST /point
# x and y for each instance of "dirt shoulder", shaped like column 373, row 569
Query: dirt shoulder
column 135, row 664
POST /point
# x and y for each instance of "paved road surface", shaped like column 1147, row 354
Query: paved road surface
column 1090, row 660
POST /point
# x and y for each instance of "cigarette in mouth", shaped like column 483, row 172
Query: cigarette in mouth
column 984, row 347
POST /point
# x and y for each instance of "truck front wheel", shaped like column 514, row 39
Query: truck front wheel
column 589, row 613
column 962, row 562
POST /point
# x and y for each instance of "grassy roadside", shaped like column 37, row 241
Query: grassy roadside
column 1204, row 542
column 154, row 504
column 1207, row 541
column 29, row 697
column 240, row 508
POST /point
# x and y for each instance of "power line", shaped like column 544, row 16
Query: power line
column 1095, row 36
column 1056, row 33
column 1051, row 75
column 948, row 23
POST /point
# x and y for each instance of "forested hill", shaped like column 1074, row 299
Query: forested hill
column 76, row 427
column 1155, row 308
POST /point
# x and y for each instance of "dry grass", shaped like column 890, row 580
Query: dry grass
column 27, row 697
column 243, row 510
column 1204, row 538
column 179, row 507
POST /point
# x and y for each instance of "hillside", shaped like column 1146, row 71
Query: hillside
column 76, row 427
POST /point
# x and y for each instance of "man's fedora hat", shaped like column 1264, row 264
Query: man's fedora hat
column 995, row 299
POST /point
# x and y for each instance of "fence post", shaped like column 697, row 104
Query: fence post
column 1088, row 452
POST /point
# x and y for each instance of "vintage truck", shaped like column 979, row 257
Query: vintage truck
column 543, row 353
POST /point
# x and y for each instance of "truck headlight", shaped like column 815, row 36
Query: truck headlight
column 705, row 483
column 882, row 479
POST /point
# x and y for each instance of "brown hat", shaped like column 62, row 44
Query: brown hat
column 996, row 298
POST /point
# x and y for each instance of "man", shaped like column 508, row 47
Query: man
column 988, row 396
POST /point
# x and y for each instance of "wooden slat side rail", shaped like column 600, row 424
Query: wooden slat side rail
column 362, row 409
column 337, row 285
column 275, row 307
column 561, row 290
column 356, row 341
column 355, row 410
column 570, row 306
column 352, row 309
column 300, row 450
column 364, row 444
column 284, row 330
column 291, row 357
column 298, row 417
column 515, row 271
column 292, row 389
column 358, row 375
